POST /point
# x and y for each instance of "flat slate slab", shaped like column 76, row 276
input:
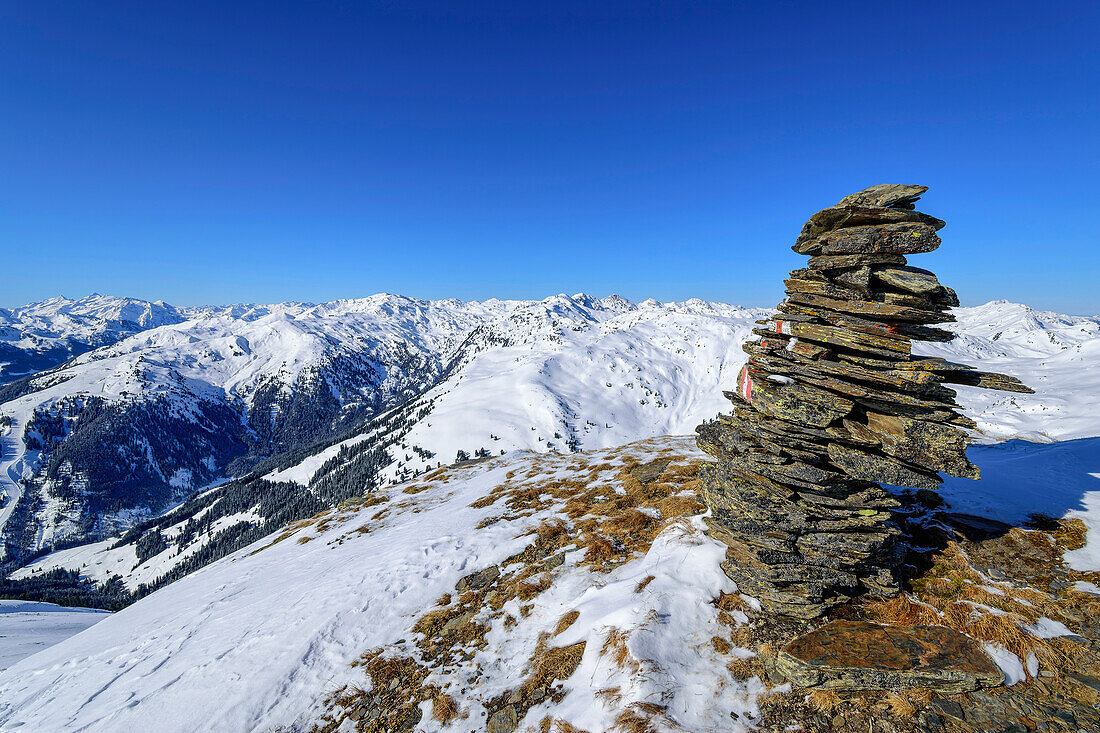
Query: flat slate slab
column 858, row 655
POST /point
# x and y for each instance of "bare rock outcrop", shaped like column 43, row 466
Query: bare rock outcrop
column 831, row 403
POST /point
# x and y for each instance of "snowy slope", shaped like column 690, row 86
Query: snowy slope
column 1055, row 355
column 28, row 627
column 559, row 373
column 257, row 640
column 269, row 638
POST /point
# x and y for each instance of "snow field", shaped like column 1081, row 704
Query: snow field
column 258, row 639
column 28, row 627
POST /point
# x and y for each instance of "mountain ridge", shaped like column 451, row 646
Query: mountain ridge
column 557, row 375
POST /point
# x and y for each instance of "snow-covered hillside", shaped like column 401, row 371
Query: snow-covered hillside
column 40, row 335
column 1055, row 355
column 578, row 589
column 176, row 405
column 562, row 374
column 173, row 406
column 260, row 640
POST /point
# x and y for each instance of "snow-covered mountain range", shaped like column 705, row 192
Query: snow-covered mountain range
column 126, row 430
column 44, row 334
column 312, row 404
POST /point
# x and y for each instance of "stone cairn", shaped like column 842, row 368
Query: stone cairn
column 831, row 401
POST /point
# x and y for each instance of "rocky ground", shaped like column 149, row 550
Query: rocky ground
column 1006, row 587
column 1001, row 592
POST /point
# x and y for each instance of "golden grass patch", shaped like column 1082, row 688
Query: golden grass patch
column 823, row 701
column 556, row 663
column 744, row 668
column 566, row 621
column 444, row 708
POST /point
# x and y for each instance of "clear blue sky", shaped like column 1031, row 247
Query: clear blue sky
column 211, row 152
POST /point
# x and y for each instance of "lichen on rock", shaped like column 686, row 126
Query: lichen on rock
column 833, row 402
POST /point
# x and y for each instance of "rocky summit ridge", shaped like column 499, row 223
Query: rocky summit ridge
column 832, row 403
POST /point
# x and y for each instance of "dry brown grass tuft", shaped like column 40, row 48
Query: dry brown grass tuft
column 433, row 622
column 638, row 718
column 902, row 610
column 556, row 663
column 720, row 645
column 644, row 582
column 598, row 550
column 898, row 706
column 616, row 649
column 630, row 525
column 444, row 600
column 1070, row 534
column 681, row 473
column 362, row 502
column 609, row 696
column 566, row 621
column 525, row 590
column 823, row 701
column 672, row 507
column 552, row 534
column 728, row 602
column 444, row 708
column 744, row 668
column 485, row 501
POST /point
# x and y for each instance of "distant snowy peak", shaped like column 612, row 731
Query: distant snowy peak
column 1013, row 329
column 86, row 318
column 41, row 335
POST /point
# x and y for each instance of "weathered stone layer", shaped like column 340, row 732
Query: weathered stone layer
column 832, row 402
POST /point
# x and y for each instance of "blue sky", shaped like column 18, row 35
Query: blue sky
column 212, row 152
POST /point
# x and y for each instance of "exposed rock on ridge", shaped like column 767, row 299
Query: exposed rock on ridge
column 831, row 402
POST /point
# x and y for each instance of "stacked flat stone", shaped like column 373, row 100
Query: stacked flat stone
column 831, row 402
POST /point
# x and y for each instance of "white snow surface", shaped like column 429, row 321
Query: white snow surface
column 256, row 640
column 1009, row 663
column 1053, row 354
column 94, row 319
column 28, row 627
